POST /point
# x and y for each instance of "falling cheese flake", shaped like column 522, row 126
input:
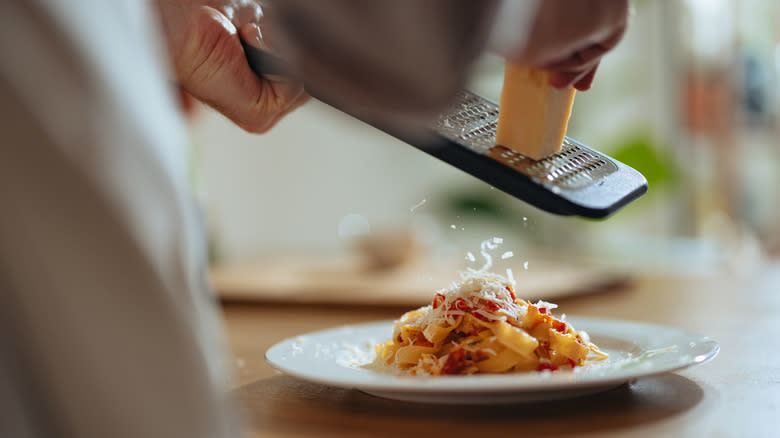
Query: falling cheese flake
column 418, row 205
column 525, row 266
column 470, row 257
column 453, row 227
column 507, row 255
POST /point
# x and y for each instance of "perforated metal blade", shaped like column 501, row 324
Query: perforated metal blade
column 576, row 181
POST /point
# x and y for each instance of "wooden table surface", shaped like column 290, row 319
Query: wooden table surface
column 735, row 395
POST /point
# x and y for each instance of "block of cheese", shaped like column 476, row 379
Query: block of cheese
column 533, row 115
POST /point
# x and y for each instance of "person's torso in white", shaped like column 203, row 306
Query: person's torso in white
column 108, row 326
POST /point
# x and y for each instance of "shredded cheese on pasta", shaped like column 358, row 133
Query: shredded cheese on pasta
column 478, row 325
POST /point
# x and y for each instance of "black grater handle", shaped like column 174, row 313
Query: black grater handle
column 263, row 62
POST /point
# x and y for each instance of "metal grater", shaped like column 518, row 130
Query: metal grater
column 576, row 181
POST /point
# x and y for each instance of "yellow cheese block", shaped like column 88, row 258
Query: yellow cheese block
column 533, row 115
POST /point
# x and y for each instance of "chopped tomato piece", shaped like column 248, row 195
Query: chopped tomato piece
column 546, row 366
column 511, row 292
column 542, row 310
column 572, row 363
column 437, row 300
column 479, row 355
column 560, row 326
column 461, row 304
column 492, row 305
column 455, row 363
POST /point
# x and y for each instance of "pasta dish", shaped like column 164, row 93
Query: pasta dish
column 478, row 325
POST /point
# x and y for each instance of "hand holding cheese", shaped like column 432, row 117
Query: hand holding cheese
column 569, row 38
column 533, row 115
column 562, row 53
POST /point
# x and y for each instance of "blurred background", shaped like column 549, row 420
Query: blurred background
column 690, row 97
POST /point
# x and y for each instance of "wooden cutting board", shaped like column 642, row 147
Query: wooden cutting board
column 346, row 281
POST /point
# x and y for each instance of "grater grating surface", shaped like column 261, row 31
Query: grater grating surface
column 471, row 122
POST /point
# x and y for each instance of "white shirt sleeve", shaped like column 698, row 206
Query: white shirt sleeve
column 106, row 324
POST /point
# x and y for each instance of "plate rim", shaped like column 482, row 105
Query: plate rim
column 490, row 383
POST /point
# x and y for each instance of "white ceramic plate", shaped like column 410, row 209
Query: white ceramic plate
column 335, row 357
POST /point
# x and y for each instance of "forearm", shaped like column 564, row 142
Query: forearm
column 402, row 59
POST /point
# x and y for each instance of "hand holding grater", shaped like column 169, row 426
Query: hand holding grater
column 575, row 181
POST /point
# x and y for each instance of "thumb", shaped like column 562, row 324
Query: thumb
column 212, row 67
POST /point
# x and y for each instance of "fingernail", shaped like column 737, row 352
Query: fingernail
column 253, row 35
column 258, row 35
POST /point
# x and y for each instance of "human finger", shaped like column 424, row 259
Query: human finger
column 585, row 82
column 580, row 60
column 290, row 89
column 214, row 69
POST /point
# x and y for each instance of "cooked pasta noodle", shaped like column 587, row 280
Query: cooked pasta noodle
column 478, row 325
